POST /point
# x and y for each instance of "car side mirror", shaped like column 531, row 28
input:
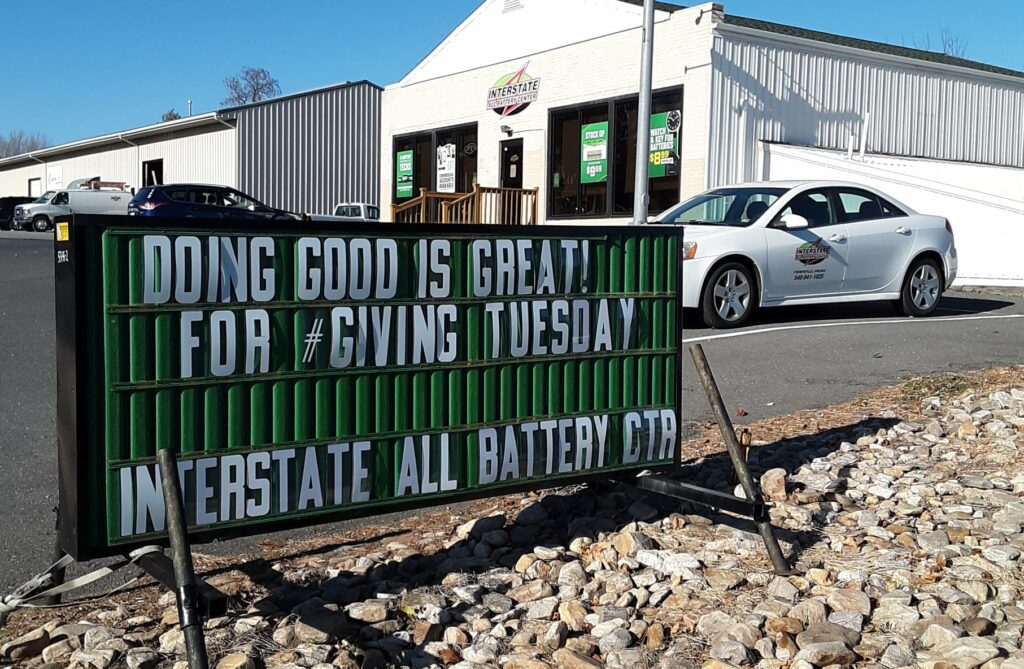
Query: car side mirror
column 794, row 222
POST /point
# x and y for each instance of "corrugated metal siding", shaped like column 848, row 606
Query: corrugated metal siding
column 205, row 155
column 309, row 152
column 14, row 180
column 767, row 90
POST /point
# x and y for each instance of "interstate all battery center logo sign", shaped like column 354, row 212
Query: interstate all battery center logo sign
column 513, row 93
column 813, row 253
column 304, row 374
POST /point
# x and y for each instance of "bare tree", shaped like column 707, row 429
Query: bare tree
column 251, row 85
column 170, row 115
column 952, row 44
column 19, row 141
column 922, row 43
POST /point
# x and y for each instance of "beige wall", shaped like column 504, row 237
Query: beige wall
column 592, row 70
column 206, row 155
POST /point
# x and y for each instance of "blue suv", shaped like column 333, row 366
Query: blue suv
column 198, row 201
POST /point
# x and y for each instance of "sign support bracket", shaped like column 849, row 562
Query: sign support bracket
column 186, row 590
column 752, row 506
column 212, row 602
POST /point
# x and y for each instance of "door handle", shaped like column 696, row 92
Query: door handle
column 904, row 230
column 837, row 238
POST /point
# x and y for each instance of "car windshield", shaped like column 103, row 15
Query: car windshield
column 737, row 207
column 45, row 197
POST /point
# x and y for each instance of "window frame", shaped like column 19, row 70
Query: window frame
column 610, row 104
column 830, row 196
column 883, row 204
column 434, row 133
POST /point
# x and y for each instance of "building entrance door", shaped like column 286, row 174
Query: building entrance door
column 511, row 177
column 512, row 163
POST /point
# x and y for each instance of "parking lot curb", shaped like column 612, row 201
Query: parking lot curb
column 1007, row 291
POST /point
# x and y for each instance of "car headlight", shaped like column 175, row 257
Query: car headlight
column 689, row 250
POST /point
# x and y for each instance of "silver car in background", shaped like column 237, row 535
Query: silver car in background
column 39, row 215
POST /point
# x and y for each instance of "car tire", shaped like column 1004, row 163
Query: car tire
column 922, row 288
column 729, row 296
column 40, row 224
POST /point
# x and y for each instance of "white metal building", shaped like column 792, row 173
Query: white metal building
column 303, row 152
column 528, row 94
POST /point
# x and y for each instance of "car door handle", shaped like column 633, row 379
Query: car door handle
column 837, row 238
column 903, row 230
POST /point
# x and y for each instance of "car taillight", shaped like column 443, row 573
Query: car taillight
column 949, row 227
column 149, row 205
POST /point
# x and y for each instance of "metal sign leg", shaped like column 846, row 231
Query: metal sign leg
column 58, row 574
column 739, row 463
column 181, row 553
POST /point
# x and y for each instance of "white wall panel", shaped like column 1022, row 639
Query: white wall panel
column 207, row 157
column 204, row 155
column 14, row 181
column 984, row 203
column 798, row 93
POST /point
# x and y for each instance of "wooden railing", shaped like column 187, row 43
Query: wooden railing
column 423, row 209
column 493, row 206
column 489, row 206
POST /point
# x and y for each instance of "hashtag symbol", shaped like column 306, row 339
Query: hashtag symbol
column 314, row 337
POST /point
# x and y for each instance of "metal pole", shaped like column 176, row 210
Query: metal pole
column 732, row 445
column 58, row 575
column 643, row 121
column 181, row 553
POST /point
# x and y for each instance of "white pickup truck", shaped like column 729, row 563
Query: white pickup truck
column 350, row 211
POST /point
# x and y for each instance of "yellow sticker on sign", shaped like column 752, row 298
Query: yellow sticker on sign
column 63, row 232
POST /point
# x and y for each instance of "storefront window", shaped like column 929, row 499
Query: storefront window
column 418, row 163
column 663, row 185
column 593, row 157
column 465, row 167
column 413, row 166
column 565, row 171
column 579, row 139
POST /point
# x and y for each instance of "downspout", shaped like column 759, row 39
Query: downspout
column 42, row 179
column 138, row 161
column 238, row 160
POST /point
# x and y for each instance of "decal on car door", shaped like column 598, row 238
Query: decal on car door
column 811, row 253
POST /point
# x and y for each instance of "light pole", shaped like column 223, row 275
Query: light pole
column 643, row 122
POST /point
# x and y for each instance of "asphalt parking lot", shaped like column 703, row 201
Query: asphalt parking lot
column 786, row 359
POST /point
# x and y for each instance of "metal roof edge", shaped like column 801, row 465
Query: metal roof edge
column 658, row 5
column 299, row 94
column 744, row 25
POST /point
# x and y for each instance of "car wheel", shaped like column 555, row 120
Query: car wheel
column 922, row 288
column 40, row 224
column 729, row 297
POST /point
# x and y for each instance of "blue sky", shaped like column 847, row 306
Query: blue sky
column 96, row 70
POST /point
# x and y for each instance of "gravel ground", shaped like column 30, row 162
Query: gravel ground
column 901, row 512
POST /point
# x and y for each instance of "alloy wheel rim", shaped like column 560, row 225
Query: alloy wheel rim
column 732, row 296
column 924, row 287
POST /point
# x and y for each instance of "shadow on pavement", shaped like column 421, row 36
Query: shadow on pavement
column 950, row 305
